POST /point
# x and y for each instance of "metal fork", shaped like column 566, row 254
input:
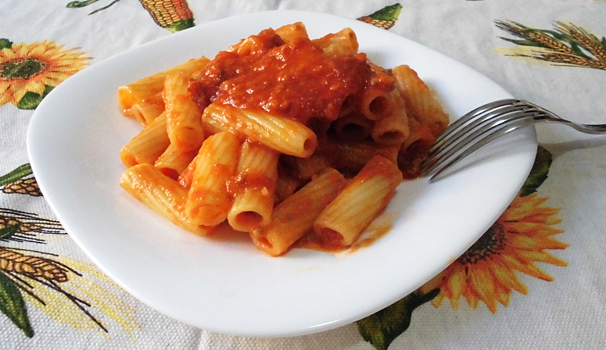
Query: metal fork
column 484, row 124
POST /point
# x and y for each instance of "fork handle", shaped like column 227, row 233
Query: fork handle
column 585, row 128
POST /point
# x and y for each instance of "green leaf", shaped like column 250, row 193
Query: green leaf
column 31, row 100
column 17, row 174
column 180, row 25
column 387, row 13
column 8, row 231
column 78, row 4
column 5, row 44
column 538, row 173
column 103, row 8
column 522, row 42
column 577, row 50
column 381, row 328
column 13, row 306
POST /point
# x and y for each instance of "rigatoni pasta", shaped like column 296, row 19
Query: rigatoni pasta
column 134, row 93
column 299, row 142
column 161, row 194
column 183, row 123
column 254, row 187
column 342, row 221
column 295, row 216
column 208, row 202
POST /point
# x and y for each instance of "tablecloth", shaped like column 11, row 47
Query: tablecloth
column 535, row 280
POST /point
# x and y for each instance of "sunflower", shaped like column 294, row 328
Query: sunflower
column 486, row 271
column 34, row 67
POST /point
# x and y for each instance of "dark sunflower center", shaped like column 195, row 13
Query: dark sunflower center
column 491, row 242
column 21, row 69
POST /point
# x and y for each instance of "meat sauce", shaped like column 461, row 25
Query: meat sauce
column 294, row 80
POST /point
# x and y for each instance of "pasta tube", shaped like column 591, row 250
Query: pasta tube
column 149, row 109
column 355, row 207
column 148, row 145
column 174, row 161
column 284, row 135
column 355, row 155
column 375, row 103
column 133, row 93
column 344, row 42
column 208, row 202
column 183, row 122
column 254, row 187
column 393, row 129
column 424, row 107
column 291, row 32
column 187, row 176
column 292, row 218
column 161, row 194
column 353, row 126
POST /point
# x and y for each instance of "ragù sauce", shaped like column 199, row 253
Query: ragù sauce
column 294, row 80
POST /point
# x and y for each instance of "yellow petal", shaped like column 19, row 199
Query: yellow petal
column 483, row 283
column 507, row 277
column 8, row 54
column 541, row 256
column 472, row 300
column 437, row 301
column 57, row 76
column 535, row 243
column 502, row 294
column 457, row 282
column 36, row 49
column 527, row 268
column 36, row 86
column 5, row 97
column 18, row 92
column 532, row 229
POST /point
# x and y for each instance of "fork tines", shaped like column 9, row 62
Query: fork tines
column 476, row 129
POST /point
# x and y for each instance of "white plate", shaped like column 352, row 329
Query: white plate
column 228, row 286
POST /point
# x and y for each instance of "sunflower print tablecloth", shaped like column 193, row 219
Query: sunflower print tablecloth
column 534, row 280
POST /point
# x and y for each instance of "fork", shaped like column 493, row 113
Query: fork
column 484, row 124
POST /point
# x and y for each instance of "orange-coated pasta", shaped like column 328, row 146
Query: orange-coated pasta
column 174, row 161
column 208, row 202
column 133, row 93
column 254, row 187
column 421, row 103
column 281, row 134
column 292, row 218
column 291, row 32
column 393, row 129
column 341, row 43
column 183, row 117
column 148, row 109
column 148, row 145
column 355, row 207
column 161, row 194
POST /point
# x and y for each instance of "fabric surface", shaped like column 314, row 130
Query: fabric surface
column 535, row 280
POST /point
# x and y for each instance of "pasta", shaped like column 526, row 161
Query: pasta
column 299, row 142
column 295, row 216
column 346, row 216
column 183, row 123
column 254, row 187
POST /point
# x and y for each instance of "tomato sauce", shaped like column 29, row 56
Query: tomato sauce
column 251, row 180
column 295, row 80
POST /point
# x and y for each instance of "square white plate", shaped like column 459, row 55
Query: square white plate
column 228, row 286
